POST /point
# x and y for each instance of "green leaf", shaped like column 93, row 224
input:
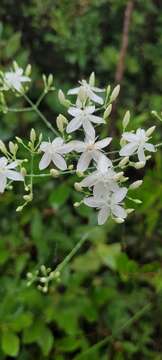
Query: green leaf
column 10, row 343
column 60, row 195
column 13, row 45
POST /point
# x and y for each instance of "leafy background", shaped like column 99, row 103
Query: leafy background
column 117, row 272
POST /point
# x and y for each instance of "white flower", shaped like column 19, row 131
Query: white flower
column 137, row 142
column 6, row 172
column 90, row 150
column 103, row 178
column 83, row 117
column 15, row 79
column 53, row 151
column 108, row 205
column 87, row 91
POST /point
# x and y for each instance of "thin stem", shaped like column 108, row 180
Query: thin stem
column 71, row 254
column 40, row 98
column 127, row 324
column 46, row 122
column 20, row 110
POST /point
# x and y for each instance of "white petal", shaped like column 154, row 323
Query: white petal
column 95, row 97
column 102, row 164
column 3, row 182
column 73, row 91
column 98, row 156
column 97, row 119
column 89, row 180
column 58, row 141
column 59, row 161
column 103, row 215
column 141, row 154
column 73, row 125
column 96, row 89
column 128, row 150
column 101, row 190
column 150, row 147
column 65, row 149
column 12, row 165
column 45, row 161
column 118, row 211
column 130, row 137
column 75, row 111
column 3, row 162
column 14, row 175
column 92, row 202
column 44, row 145
column 78, row 146
column 88, row 128
column 119, row 195
column 103, row 143
column 84, row 161
column 89, row 109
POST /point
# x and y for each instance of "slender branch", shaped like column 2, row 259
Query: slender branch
column 35, row 108
column 126, row 325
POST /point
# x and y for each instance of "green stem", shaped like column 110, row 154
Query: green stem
column 103, row 342
column 35, row 108
column 19, row 110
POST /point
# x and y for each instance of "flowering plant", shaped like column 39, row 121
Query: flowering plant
column 75, row 147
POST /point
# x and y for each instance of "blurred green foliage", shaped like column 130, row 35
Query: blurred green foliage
column 118, row 270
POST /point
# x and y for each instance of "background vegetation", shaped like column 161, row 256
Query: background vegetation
column 111, row 290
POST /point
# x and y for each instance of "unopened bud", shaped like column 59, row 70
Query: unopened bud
column 50, row 80
column 61, row 121
column 119, row 220
column 19, row 140
column 76, row 204
column 92, row 79
column 124, row 161
column 150, row 131
column 129, row 211
column 107, row 111
column 115, row 93
column 28, row 198
column 80, row 174
column 54, row 172
column 124, row 179
column 139, row 165
column 23, row 171
column 77, row 186
column 19, row 208
column 136, row 184
column 108, row 90
column 126, row 119
column 3, row 147
column 136, row 201
column 32, row 135
column 28, row 70
column 118, row 176
column 71, row 167
column 62, row 99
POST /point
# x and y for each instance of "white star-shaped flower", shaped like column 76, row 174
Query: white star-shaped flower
column 83, row 117
column 87, row 91
column 15, row 79
column 103, row 178
column 91, row 150
column 53, row 152
column 7, row 172
column 108, row 205
column 137, row 142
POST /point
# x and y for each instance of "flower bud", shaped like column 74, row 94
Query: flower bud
column 23, row 172
column 54, row 172
column 107, row 111
column 136, row 201
column 62, row 99
column 150, row 131
column 32, row 135
column 129, row 211
column 80, row 174
column 76, row 204
column 50, row 80
column 61, row 121
column 126, row 119
column 139, row 165
column 3, row 147
column 19, row 208
column 19, row 140
column 78, row 187
column 28, row 70
column 124, row 161
column 71, row 167
column 119, row 220
column 115, row 93
column 136, row 184
column 118, row 176
column 92, row 79
column 108, row 90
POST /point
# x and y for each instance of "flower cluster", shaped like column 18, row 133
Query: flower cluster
column 76, row 140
